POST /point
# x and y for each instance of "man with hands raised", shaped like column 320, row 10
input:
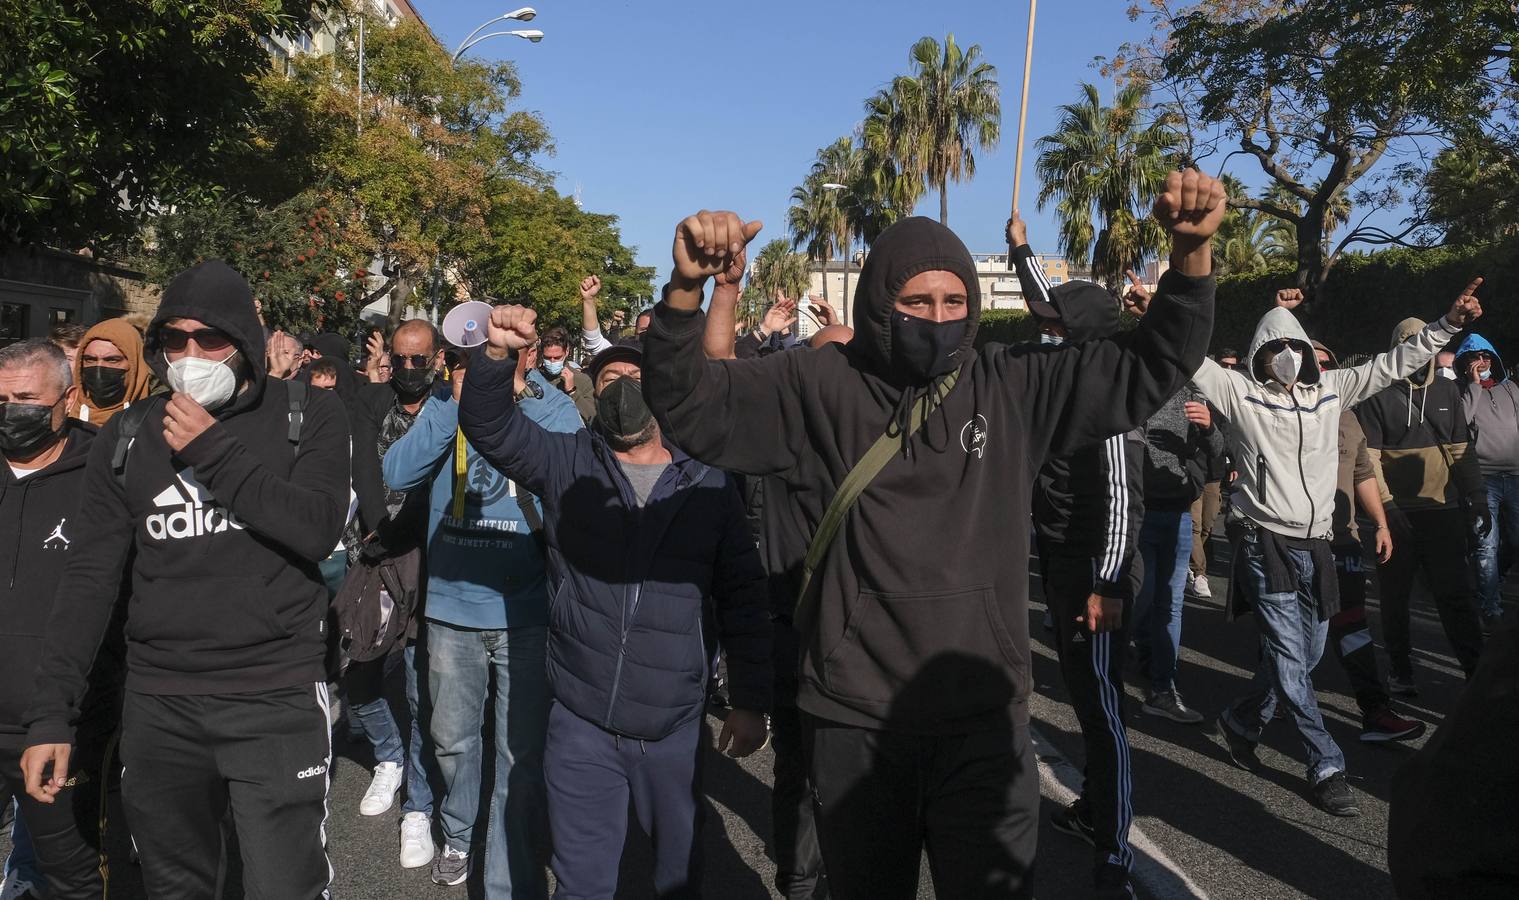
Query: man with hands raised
column 651, row 569
column 1284, row 417
column 913, row 615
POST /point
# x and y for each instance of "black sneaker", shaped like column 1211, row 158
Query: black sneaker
column 1169, row 705
column 1242, row 750
column 1335, row 796
column 1070, row 820
column 1402, row 685
column 1112, row 883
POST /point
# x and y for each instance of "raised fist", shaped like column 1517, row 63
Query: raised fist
column 706, row 243
column 1192, row 205
column 1017, row 231
column 590, row 286
column 733, row 275
column 511, row 328
column 1289, row 298
column 1467, row 309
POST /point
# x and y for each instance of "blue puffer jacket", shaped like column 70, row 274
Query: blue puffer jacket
column 640, row 598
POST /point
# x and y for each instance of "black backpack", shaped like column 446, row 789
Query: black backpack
column 135, row 415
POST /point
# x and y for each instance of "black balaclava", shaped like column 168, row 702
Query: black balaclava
column 214, row 293
column 908, row 248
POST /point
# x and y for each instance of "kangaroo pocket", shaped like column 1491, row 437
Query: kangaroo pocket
column 926, row 656
column 206, row 614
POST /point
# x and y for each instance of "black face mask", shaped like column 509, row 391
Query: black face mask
column 621, row 413
column 26, row 429
column 923, row 349
column 104, row 385
column 411, row 384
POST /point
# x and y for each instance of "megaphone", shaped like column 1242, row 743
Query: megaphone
column 465, row 324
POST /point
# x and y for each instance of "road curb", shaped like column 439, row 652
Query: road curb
column 1156, row 875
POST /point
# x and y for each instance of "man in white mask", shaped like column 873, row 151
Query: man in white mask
column 231, row 491
column 1284, row 435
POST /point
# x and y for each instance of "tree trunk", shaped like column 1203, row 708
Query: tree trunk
column 844, row 300
column 1311, row 270
column 944, row 204
column 825, row 282
column 399, row 295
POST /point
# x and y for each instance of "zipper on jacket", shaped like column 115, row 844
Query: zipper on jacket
column 1301, row 474
column 1260, row 475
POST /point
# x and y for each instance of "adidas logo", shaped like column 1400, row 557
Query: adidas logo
column 311, row 772
column 1078, row 638
column 195, row 514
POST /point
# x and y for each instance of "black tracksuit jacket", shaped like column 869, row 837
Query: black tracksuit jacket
column 41, row 520
column 918, row 620
column 226, row 595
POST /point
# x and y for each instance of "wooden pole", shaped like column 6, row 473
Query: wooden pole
column 1028, row 65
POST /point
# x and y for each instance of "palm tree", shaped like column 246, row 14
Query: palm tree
column 936, row 117
column 776, row 268
column 1102, row 168
column 837, row 172
column 812, row 220
column 891, row 177
column 1241, row 243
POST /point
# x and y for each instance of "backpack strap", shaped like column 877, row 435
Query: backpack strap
column 297, row 392
column 529, row 506
column 860, row 477
column 131, row 420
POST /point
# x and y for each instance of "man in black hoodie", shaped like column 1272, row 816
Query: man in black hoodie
column 1087, row 511
column 915, row 667
column 40, row 492
column 231, row 492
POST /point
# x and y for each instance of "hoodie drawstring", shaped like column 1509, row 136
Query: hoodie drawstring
column 1423, row 398
column 21, row 520
column 916, row 405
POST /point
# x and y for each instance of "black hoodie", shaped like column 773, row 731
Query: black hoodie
column 226, row 596
column 1089, row 504
column 40, row 525
column 926, row 584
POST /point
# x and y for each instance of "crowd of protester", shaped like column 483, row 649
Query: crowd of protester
column 538, row 563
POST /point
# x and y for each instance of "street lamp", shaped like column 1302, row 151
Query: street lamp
column 524, row 14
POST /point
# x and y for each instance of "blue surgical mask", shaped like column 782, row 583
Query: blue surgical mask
column 553, row 366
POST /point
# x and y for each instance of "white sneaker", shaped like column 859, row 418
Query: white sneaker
column 1200, row 588
column 417, row 848
column 382, row 789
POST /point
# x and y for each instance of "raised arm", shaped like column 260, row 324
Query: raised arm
column 591, row 337
column 1031, row 278
column 1139, row 371
column 1360, row 382
column 413, row 459
column 739, row 415
column 722, row 312
column 529, row 454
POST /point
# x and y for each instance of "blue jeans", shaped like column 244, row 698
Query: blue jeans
column 1503, row 504
column 1165, row 545
column 1292, row 641
column 460, row 664
column 374, row 719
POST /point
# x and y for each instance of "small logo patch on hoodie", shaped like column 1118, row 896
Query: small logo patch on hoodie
column 56, row 540
column 973, row 436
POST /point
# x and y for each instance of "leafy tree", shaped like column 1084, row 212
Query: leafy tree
column 1317, row 92
column 305, row 258
column 111, row 109
column 811, row 220
column 1102, row 167
column 536, row 247
column 891, row 176
column 1471, row 192
column 935, row 118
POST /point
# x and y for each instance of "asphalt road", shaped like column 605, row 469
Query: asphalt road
column 1210, row 830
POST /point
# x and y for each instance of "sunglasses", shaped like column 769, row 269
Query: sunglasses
column 417, row 360
column 209, row 339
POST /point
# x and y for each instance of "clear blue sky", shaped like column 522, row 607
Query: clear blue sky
column 663, row 107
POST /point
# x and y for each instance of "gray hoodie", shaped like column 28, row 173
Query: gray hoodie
column 1285, row 443
column 1492, row 413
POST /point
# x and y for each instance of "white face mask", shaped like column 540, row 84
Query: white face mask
column 1446, row 372
column 1484, row 374
column 209, row 383
column 1286, row 365
column 1053, row 339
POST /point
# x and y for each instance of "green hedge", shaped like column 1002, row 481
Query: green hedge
column 1367, row 295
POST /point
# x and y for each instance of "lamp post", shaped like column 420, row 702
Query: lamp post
column 524, row 14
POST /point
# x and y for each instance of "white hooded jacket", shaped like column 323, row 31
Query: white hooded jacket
column 1285, row 443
